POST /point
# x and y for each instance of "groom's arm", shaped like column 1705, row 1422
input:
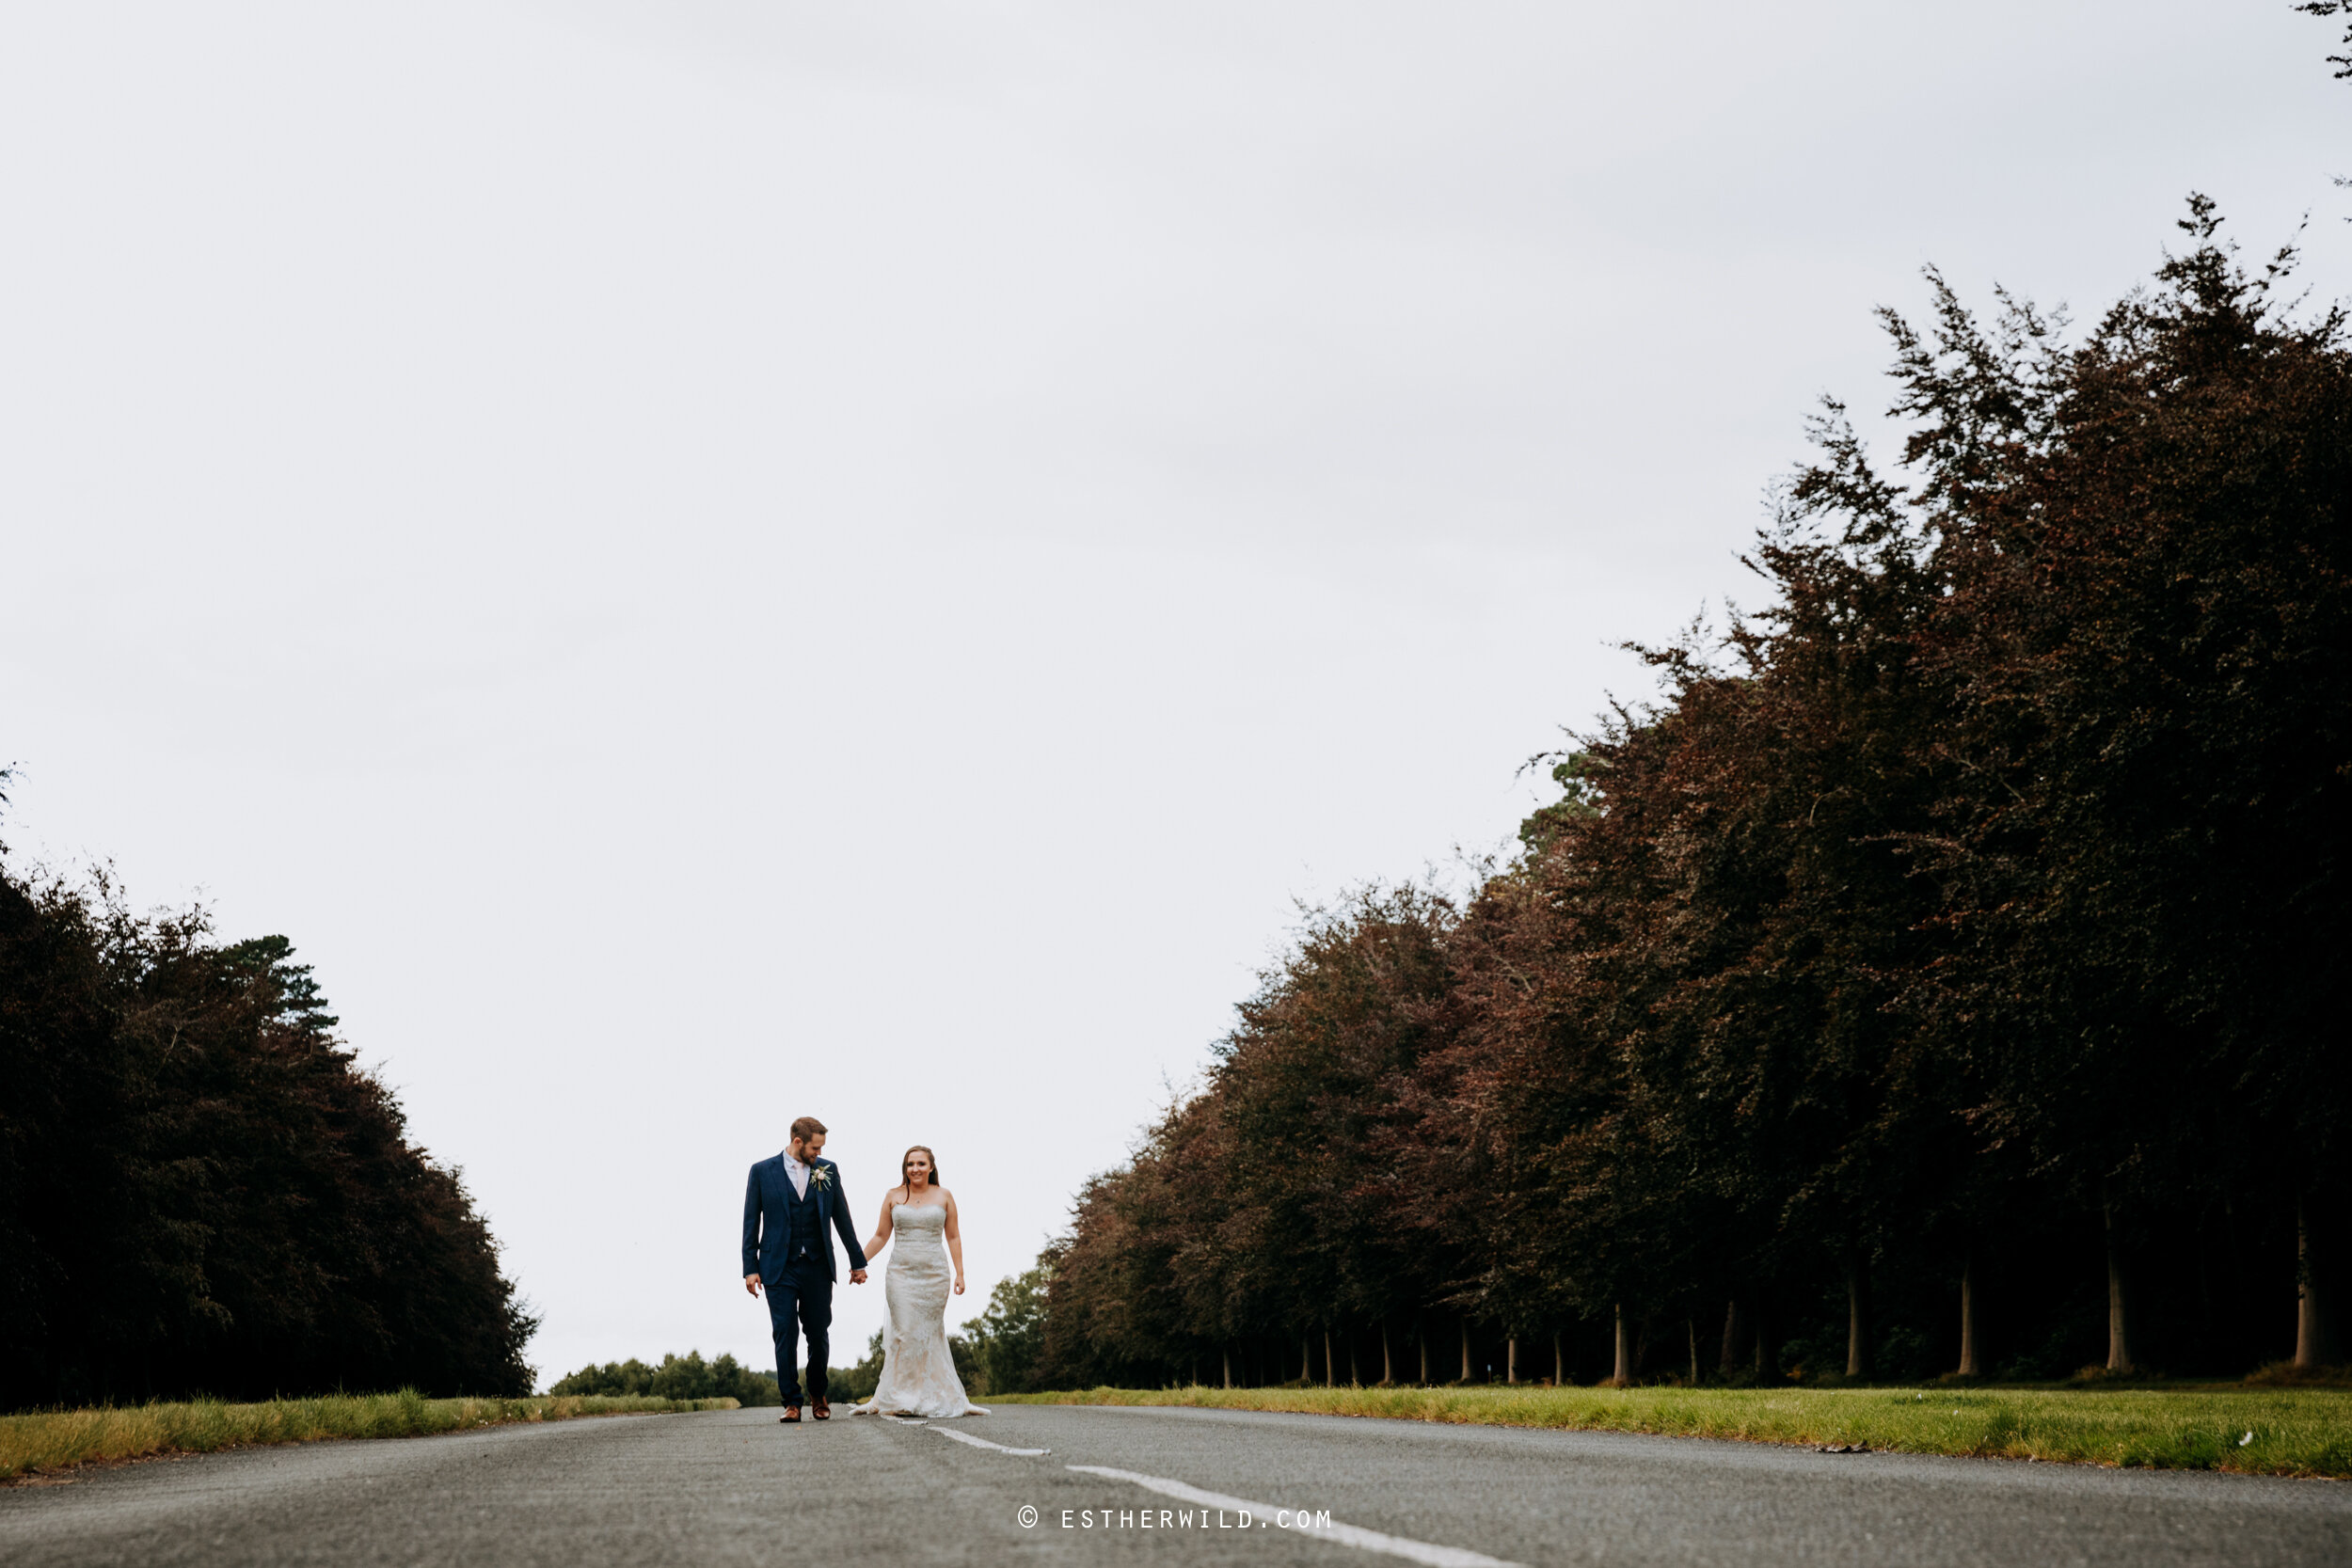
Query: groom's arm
column 751, row 1224
column 841, row 1222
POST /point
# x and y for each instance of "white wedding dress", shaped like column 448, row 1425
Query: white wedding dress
column 918, row 1375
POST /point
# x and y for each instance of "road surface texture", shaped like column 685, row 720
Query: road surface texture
column 735, row 1487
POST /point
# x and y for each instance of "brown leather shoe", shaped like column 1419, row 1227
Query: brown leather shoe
column 791, row 1415
column 823, row 1412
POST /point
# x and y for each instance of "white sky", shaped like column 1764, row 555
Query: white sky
column 708, row 561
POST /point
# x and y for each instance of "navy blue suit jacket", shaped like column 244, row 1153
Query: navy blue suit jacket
column 767, row 1218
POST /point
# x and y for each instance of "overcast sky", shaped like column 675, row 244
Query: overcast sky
column 708, row 561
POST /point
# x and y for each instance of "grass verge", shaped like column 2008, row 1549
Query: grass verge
column 2298, row 1431
column 49, row 1441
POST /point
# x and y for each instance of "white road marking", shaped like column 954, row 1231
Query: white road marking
column 984, row 1443
column 1346, row 1535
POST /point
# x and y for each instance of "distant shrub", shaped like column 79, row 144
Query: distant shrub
column 678, row 1377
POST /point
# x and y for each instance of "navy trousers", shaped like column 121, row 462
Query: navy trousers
column 801, row 1303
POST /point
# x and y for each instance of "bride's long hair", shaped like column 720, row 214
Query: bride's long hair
column 907, row 1181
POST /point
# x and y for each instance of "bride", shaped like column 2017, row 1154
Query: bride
column 918, row 1375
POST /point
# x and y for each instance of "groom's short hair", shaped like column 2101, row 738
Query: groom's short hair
column 807, row 1127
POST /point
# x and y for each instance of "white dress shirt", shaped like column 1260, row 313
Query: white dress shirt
column 797, row 1171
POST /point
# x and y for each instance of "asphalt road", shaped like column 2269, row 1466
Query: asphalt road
column 735, row 1487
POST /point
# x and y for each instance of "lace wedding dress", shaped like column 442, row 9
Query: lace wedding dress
column 918, row 1375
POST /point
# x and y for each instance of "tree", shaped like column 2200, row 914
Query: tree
column 677, row 1377
column 2334, row 8
column 199, row 1189
column 1963, row 929
column 1008, row 1337
column 2151, row 615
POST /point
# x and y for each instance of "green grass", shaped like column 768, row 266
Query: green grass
column 2296, row 1431
column 49, row 1441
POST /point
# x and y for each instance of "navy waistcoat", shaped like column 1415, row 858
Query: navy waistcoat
column 805, row 1234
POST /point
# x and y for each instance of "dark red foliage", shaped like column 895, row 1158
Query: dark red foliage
column 1979, row 906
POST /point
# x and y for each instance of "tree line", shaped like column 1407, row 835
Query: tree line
column 1945, row 973
column 678, row 1377
column 690, row 1377
column 202, row 1192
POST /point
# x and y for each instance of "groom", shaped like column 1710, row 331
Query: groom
column 792, row 1197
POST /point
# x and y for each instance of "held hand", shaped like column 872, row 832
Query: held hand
column 751, row 1283
column 959, row 1285
column 857, row 1276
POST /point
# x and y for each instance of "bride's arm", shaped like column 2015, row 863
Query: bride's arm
column 881, row 1234
column 955, row 1243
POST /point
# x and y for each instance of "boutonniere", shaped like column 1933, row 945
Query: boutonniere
column 820, row 1176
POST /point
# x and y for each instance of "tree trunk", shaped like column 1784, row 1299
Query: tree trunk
column 1559, row 1362
column 1511, row 1360
column 1229, row 1366
column 1767, row 1348
column 1735, row 1336
column 1691, row 1327
column 1466, row 1360
column 2119, row 1302
column 2315, row 1326
column 1331, row 1364
column 1857, row 1313
column 1387, row 1358
column 1971, row 1338
column 1623, row 1376
column 1421, row 1335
